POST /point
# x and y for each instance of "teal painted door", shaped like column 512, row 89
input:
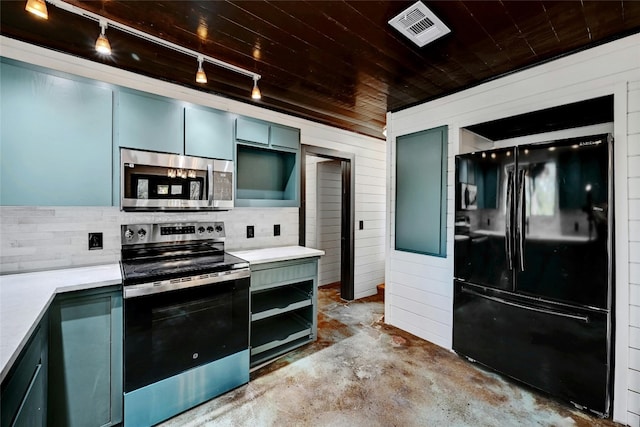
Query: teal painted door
column 85, row 354
column 55, row 140
column 208, row 133
column 149, row 122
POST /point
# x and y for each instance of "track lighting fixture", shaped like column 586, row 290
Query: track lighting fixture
column 255, row 93
column 102, row 44
column 201, row 77
column 38, row 8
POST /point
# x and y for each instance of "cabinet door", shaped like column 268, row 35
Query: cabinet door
column 85, row 379
column 252, row 131
column 208, row 133
column 149, row 122
column 55, row 139
column 23, row 393
column 282, row 136
column 31, row 413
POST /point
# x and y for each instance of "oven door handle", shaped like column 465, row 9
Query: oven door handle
column 132, row 291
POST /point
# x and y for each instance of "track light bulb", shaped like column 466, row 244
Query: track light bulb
column 201, row 77
column 255, row 93
column 102, row 44
column 38, row 8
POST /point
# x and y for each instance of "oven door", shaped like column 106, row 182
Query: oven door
column 171, row 332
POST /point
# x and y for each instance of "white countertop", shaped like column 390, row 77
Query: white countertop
column 25, row 297
column 282, row 253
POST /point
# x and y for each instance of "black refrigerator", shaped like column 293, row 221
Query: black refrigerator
column 533, row 266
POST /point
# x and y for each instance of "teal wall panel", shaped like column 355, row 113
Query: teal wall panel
column 55, row 140
column 421, row 192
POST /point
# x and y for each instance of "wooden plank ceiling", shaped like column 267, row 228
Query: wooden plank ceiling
column 334, row 62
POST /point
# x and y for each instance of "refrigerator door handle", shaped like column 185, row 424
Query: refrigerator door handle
column 508, row 238
column 584, row 319
column 521, row 218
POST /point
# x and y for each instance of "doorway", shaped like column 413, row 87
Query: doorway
column 335, row 166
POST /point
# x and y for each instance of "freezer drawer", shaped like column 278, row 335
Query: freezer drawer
column 559, row 351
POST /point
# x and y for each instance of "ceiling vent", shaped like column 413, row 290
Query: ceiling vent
column 419, row 24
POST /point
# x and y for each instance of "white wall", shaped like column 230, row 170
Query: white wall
column 370, row 153
column 311, row 195
column 329, row 208
column 419, row 289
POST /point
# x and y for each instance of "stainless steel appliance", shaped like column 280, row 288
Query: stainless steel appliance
column 532, row 268
column 160, row 181
column 186, row 318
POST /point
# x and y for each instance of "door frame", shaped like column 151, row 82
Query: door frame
column 347, row 231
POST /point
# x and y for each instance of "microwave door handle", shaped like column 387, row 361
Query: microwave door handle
column 210, row 186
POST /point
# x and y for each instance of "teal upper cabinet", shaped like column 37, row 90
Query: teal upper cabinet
column 208, row 133
column 149, row 122
column 154, row 123
column 250, row 130
column 55, row 139
column 283, row 136
column 267, row 164
column 255, row 131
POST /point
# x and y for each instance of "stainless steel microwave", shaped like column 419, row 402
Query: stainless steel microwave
column 158, row 181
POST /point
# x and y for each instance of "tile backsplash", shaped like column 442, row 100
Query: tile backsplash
column 42, row 238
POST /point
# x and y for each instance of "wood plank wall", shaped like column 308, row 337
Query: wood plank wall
column 419, row 288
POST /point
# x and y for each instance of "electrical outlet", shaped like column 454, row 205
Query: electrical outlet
column 276, row 229
column 250, row 232
column 95, row 241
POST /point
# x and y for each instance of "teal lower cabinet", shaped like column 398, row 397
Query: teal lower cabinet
column 283, row 307
column 85, row 358
column 24, row 392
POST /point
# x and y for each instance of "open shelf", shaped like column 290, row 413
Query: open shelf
column 276, row 331
column 281, row 300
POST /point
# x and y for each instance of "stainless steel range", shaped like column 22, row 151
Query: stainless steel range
column 186, row 318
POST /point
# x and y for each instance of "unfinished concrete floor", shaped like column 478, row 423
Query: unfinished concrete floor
column 362, row 372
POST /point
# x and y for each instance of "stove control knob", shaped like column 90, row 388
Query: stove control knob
column 142, row 233
column 218, row 228
column 128, row 234
column 209, row 229
column 201, row 230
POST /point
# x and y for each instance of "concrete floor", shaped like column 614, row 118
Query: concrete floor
column 362, row 372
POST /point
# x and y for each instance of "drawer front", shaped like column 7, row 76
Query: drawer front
column 270, row 277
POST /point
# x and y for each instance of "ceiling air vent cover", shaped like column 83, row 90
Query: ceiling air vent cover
column 419, row 24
